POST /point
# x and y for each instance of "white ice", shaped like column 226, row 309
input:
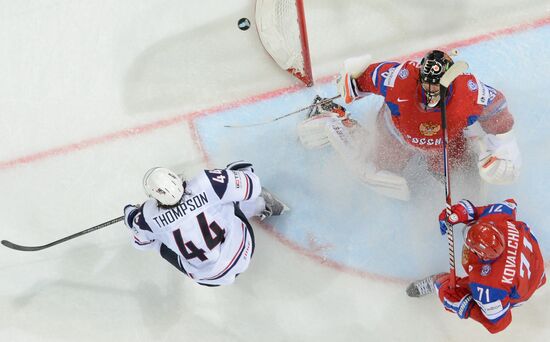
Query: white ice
column 92, row 94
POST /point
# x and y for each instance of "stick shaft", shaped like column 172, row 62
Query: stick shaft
column 67, row 238
column 451, row 74
column 448, row 200
column 285, row 115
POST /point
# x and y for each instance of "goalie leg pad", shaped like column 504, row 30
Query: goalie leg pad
column 347, row 144
column 388, row 184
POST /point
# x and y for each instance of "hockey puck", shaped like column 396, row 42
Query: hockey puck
column 244, row 24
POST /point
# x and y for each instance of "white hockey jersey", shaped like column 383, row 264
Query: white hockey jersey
column 206, row 229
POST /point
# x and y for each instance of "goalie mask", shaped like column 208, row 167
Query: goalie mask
column 484, row 239
column 432, row 67
column 163, row 185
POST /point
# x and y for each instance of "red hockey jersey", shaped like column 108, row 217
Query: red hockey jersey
column 468, row 101
column 511, row 279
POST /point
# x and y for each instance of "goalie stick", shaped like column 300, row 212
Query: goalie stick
column 284, row 116
column 454, row 71
column 426, row 286
column 56, row 242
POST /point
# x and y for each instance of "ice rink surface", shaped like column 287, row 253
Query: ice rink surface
column 93, row 94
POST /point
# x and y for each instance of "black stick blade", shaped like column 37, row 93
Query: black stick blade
column 66, row 238
column 22, row 248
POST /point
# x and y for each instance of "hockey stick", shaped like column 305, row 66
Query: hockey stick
column 37, row 248
column 454, row 71
column 284, row 116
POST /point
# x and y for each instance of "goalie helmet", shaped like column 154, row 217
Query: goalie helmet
column 432, row 67
column 484, row 239
column 163, row 185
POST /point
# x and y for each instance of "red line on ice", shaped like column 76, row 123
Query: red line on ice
column 189, row 117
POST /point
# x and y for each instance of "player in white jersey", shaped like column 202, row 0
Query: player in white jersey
column 201, row 226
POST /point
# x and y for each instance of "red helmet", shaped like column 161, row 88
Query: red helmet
column 485, row 240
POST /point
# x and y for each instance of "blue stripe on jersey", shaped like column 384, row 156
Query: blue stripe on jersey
column 394, row 108
column 514, row 293
column 497, row 208
column 379, row 78
column 532, row 236
column 492, row 94
column 236, row 260
column 375, row 76
column 142, row 224
column 383, row 90
column 250, row 187
column 506, row 308
column 139, row 243
column 472, row 119
column 487, row 294
column 219, row 180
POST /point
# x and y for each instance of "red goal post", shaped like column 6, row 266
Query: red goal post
column 281, row 25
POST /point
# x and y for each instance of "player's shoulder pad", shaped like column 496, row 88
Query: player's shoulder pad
column 399, row 72
column 219, row 179
column 483, row 93
column 504, row 207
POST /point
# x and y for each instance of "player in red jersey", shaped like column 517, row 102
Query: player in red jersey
column 409, row 122
column 502, row 260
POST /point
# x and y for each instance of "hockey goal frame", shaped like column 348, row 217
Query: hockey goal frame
column 302, row 72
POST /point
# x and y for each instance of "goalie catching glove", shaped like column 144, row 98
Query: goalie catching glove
column 499, row 158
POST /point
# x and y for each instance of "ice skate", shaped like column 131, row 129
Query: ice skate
column 423, row 287
column 273, row 206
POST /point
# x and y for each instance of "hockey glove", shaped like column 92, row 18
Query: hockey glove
column 462, row 212
column 140, row 240
column 239, row 165
column 457, row 300
column 130, row 212
column 347, row 87
column 499, row 158
column 346, row 82
column 312, row 132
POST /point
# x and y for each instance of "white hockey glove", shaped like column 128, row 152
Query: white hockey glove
column 140, row 241
column 346, row 83
column 499, row 158
column 312, row 132
column 130, row 213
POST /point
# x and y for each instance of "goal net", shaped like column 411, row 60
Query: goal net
column 281, row 26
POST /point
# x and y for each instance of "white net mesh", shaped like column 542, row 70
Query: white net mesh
column 278, row 24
